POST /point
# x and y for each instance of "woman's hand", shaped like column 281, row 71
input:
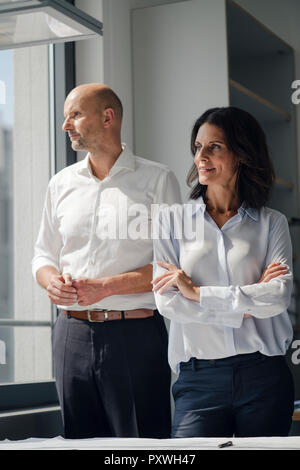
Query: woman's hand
column 272, row 271
column 175, row 277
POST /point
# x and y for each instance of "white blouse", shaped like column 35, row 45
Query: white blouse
column 226, row 263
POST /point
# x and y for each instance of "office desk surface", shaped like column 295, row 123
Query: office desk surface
column 58, row 443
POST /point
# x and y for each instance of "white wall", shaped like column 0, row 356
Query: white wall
column 180, row 70
column 117, row 58
column 108, row 59
column 89, row 53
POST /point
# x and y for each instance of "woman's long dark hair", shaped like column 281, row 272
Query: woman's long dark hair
column 246, row 139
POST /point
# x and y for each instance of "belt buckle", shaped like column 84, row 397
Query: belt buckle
column 99, row 321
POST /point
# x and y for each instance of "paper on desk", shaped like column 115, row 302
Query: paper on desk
column 109, row 444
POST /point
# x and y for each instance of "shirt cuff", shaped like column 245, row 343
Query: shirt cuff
column 40, row 263
column 219, row 299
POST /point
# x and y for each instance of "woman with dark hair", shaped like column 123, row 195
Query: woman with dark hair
column 226, row 285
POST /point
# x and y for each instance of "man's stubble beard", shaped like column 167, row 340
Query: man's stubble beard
column 80, row 144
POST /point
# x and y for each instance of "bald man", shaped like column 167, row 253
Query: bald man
column 93, row 256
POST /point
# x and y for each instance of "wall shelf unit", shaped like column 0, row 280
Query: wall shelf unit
column 261, row 72
column 284, row 184
column 264, row 109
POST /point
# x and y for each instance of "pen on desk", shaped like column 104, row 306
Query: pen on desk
column 225, row 444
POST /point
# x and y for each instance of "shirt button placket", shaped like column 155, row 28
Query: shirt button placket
column 91, row 262
column 228, row 331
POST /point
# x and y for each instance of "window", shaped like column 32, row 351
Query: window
column 25, row 315
column 33, row 84
column 6, row 197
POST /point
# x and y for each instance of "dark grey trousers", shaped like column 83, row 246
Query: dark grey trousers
column 248, row 395
column 113, row 378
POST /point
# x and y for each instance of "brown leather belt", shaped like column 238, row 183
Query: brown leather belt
column 108, row 315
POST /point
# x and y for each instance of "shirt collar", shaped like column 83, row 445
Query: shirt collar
column 199, row 205
column 250, row 211
column 125, row 160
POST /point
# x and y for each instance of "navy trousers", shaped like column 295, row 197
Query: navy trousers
column 113, row 378
column 248, row 395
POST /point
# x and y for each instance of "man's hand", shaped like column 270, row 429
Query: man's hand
column 60, row 290
column 90, row 291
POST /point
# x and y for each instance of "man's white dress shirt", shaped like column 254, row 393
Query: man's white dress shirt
column 227, row 264
column 93, row 229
